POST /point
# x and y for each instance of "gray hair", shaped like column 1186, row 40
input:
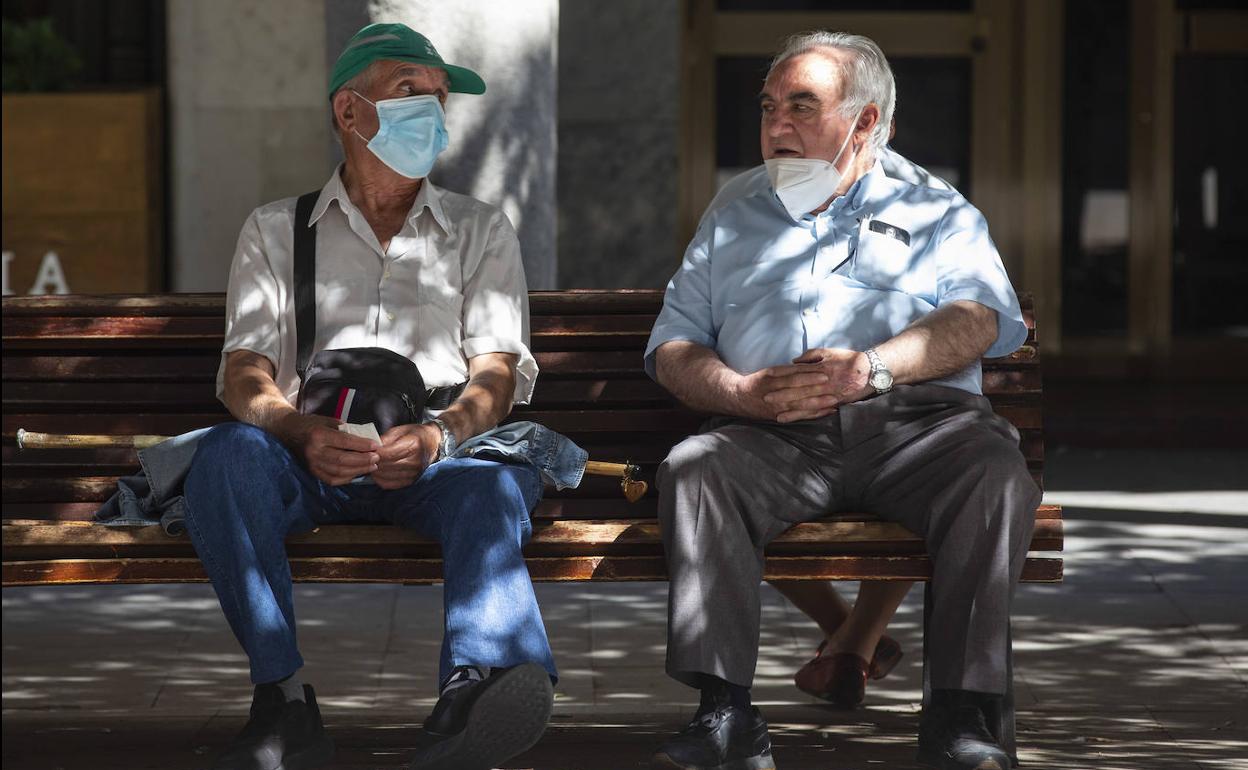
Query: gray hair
column 866, row 80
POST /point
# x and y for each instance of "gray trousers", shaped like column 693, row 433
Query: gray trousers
column 935, row 459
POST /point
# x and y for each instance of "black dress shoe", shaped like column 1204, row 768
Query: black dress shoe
column 728, row 738
column 280, row 735
column 954, row 736
column 486, row 723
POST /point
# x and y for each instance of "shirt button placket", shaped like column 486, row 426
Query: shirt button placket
column 810, row 293
column 383, row 330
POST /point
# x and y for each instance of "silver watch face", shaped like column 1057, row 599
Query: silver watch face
column 881, row 380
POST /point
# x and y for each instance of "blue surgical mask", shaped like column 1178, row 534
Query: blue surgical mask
column 410, row 133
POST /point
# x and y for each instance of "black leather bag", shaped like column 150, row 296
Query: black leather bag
column 358, row 385
column 363, row 385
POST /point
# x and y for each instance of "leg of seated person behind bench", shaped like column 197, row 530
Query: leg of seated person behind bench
column 244, row 494
column 479, row 511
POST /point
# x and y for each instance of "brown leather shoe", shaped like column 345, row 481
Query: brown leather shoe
column 841, row 678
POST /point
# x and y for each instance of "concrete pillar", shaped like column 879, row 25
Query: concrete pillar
column 502, row 144
column 619, row 139
column 248, row 122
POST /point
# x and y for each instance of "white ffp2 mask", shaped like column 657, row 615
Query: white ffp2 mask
column 805, row 184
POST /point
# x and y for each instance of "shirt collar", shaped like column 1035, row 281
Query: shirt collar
column 333, row 190
column 866, row 188
column 429, row 197
column 860, row 193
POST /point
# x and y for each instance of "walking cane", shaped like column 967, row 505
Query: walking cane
column 627, row 473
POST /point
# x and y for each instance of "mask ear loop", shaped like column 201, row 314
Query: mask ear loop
column 852, row 130
column 374, row 105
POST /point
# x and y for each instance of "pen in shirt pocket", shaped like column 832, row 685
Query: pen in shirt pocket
column 862, row 222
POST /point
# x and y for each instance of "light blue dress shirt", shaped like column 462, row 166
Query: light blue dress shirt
column 760, row 289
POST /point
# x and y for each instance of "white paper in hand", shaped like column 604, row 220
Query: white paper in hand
column 363, row 430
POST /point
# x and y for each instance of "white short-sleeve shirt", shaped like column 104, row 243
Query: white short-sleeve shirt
column 449, row 287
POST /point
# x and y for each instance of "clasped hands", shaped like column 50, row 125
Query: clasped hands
column 335, row 457
column 813, row 386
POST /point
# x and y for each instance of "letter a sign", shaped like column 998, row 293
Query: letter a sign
column 51, row 278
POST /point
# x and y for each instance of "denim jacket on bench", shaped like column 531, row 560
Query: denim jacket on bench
column 154, row 496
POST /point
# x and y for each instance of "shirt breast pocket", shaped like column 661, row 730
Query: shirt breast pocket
column 439, row 281
column 882, row 261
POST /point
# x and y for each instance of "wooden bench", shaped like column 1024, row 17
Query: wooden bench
column 147, row 364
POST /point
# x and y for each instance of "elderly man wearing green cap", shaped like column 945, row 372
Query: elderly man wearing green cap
column 379, row 258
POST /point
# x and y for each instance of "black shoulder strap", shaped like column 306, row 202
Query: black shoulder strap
column 305, row 281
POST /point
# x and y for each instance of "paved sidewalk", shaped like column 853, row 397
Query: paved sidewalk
column 1139, row 660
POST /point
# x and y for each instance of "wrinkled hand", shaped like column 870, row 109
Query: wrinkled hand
column 329, row 454
column 406, row 451
column 796, row 395
column 754, row 390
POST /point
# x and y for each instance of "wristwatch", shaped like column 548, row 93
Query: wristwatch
column 448, row 444
column 880, row 378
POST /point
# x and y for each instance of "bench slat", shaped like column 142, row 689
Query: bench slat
column 598, row 508
column 36, row 540
column 541, row 303
column 589, row 509
column 567, row 421
column 425, row 571
column 624, row 332
column 38, row 397
column 614, row 507
column 58, row 488
column 571, row 301
column 209, row 330
column 74, row 365
column 575, row 301
column 646, row 450
column 115, row 304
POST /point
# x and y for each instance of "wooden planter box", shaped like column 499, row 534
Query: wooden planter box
column 83, row 179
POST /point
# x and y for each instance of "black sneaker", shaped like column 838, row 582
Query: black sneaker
column 954, row 736
column 280, row 735
column 728, row 738
column 486, row 723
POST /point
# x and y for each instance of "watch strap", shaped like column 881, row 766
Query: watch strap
column 877, row 365
column 448, row 444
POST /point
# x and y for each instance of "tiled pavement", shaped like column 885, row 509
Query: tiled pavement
column 1138, row 660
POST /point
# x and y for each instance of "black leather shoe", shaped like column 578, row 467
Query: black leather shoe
column 486, row 723
column 728, row 738
column 280, row 735
column 954, row 736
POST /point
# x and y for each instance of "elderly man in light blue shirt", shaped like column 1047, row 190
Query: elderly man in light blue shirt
column 834, row 321
column 761, row 289
column 855, row 648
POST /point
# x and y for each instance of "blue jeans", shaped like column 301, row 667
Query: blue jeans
column 245, row 493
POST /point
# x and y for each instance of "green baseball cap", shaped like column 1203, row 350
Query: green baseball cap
column 400, row 42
